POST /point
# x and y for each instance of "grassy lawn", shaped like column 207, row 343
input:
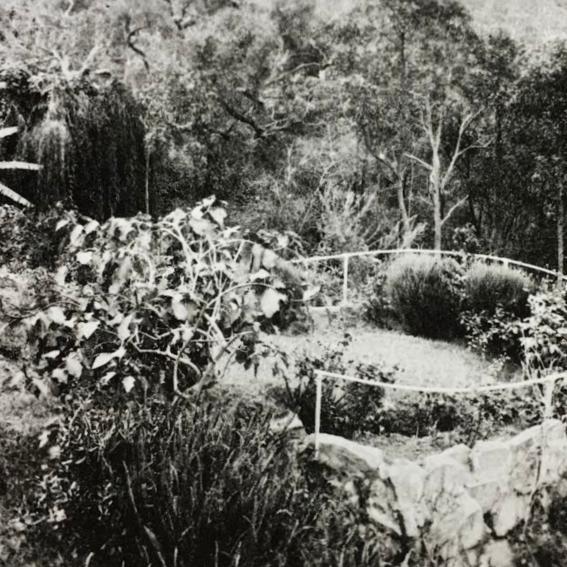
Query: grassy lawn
column 419, row 361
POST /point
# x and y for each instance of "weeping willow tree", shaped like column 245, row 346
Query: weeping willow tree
column 89, row 140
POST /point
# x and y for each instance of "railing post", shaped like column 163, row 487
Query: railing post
column 548, row 390
column 345, row 280
column 318, row 398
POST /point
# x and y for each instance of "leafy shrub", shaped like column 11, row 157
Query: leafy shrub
column 490, row 286
column 425, row 295
column 466, row 238
column 152, row 306
column 470, row 417
column 192, row 484
column 545, row 332
column 29, row 238
column 499, row 334
column 347, row 407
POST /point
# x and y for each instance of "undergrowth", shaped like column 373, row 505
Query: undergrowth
column 190, row 484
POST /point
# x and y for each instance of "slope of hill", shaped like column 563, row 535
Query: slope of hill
column 533, row 21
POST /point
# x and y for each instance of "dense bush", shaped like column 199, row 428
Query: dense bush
column 538, row 341
column 490, row 286
column 469, row 418
column 29, row 238
column 425, row 294
column 496, row 335
column 154, row 305
column 192, row 484
column 545, row 331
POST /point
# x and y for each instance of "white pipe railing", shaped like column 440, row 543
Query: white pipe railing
column 320, row 375
column 346, row 256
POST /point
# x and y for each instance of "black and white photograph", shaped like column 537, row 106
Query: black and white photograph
column 282, row 283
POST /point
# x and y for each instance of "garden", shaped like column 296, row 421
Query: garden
column 159, row 365
column 281, row 283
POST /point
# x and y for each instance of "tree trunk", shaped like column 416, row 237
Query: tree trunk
column 435, row 188
column 560, row 234
column 406, row 225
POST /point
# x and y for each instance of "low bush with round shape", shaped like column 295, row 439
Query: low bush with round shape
column 488, row 287
column 425, row 294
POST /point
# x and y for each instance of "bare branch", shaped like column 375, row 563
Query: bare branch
column 459, row 151
column 295, row 70
column 88, row 61
column 420, row 161
column 237, row 115
column 453, row 209
column 131, row 34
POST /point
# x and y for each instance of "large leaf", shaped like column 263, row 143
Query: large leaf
column 13, row 196
column 270, row 302
column 104, row 358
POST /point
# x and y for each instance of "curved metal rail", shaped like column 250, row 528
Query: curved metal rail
column 346, row 256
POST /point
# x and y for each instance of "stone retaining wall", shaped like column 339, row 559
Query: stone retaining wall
column 461, row 503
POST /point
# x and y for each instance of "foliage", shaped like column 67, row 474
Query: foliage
column 352, row 409
column 465, row 239
column 488, row 287
column 499, row 334
column 29, row 237
column 347, row 221
column 543, row 539
column 425, row 294
column 545, row 332
column 150, row 306
column 87, row 136
column 191, row 484
column 347, row 407
column 469, row 418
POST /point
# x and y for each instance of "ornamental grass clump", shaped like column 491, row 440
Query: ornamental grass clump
column 199, row 483
column 425, row 295
column 488, row 287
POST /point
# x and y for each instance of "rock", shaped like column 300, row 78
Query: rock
column 487, row 493
column 445, row 477
column 457, row 522
column 491, row 460
column 443, row 502
column 381, row 507
column 497, row 554
column 347, row 457
column 407, row 480
column 510, row 509
column 460, row 453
